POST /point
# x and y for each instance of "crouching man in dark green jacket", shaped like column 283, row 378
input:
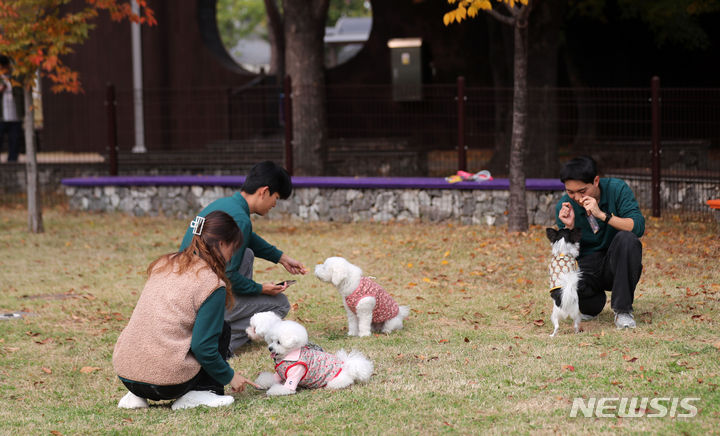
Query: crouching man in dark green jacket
column 264, row 185
column 611, row 257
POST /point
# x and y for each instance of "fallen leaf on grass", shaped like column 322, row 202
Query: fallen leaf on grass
column 717, row 345
column 441, row 341
column 585, row 344
column 568, row 367
column 89, row 369
column 539, row 322
column 630, row 358
column 46, row 370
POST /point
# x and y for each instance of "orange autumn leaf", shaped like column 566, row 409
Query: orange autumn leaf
column 36, row 35
column 46, row 370
column 89, row 369
column 568, row 368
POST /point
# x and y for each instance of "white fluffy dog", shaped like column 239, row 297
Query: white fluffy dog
column 367, row 304
column 297, row 364
column 260, row 324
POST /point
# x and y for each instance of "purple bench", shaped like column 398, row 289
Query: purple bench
column 315, row 182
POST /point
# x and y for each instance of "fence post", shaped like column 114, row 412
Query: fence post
column 111, row 104
column 229, row 114
column 656, row 150
column 287, row 111
column 462, row 148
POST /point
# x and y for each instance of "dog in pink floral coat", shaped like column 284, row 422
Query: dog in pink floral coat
column 368, row 306
column 300, row 365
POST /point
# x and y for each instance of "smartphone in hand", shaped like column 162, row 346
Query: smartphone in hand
column 286, row 282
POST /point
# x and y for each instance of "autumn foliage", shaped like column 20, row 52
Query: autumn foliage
column 37, row 33
column 470, row 8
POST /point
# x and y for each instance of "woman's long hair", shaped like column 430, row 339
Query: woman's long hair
column 218, row 227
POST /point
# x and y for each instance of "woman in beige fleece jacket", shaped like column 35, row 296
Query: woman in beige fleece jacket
column 174, row 346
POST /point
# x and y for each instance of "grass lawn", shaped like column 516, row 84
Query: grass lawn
column 474, row 357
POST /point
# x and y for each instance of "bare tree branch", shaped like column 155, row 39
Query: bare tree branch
column 510, row 21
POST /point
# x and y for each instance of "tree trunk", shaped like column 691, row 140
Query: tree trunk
column 276, row 35
column 500, row 43
column 543, row 59
column 517, row 209
column 304, row 63
column 35, row 222
column 586, row 130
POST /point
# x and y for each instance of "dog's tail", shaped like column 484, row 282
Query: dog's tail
column 569, row 283
column 359, row 367
column 403, row 311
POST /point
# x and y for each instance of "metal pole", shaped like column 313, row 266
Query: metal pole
column 462, row 148
column 110, row 104
column 656, row 149
column 287, row 106
column 138, row 110
column 229, row 113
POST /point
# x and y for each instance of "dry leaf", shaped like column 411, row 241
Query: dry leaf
column 89, row 369
column 568, row 367
column 46, row 370
column 539, row 322
column 630, row 358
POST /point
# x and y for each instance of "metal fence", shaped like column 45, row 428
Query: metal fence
column 224, row 130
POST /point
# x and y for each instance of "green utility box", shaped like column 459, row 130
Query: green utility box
column 406, row 58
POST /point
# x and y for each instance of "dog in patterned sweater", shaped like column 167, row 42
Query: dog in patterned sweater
column 367, row 305
column 299, row 365
column 564, row 276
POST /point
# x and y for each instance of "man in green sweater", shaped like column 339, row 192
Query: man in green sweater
column 264, row 185
column 610, row 257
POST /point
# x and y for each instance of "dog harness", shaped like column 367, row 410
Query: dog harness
column 320, row 367
column 385, row 307
column 561, row 264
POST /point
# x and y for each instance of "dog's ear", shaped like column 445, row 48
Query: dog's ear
column 551, row 234
column 338, row 276
column 575, row 235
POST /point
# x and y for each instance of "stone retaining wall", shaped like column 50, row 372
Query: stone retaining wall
column 324, row 204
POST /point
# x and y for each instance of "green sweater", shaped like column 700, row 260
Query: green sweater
column 617, row 198
column 237, row 207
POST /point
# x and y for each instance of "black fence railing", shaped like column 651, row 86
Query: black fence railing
column 453, row 126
